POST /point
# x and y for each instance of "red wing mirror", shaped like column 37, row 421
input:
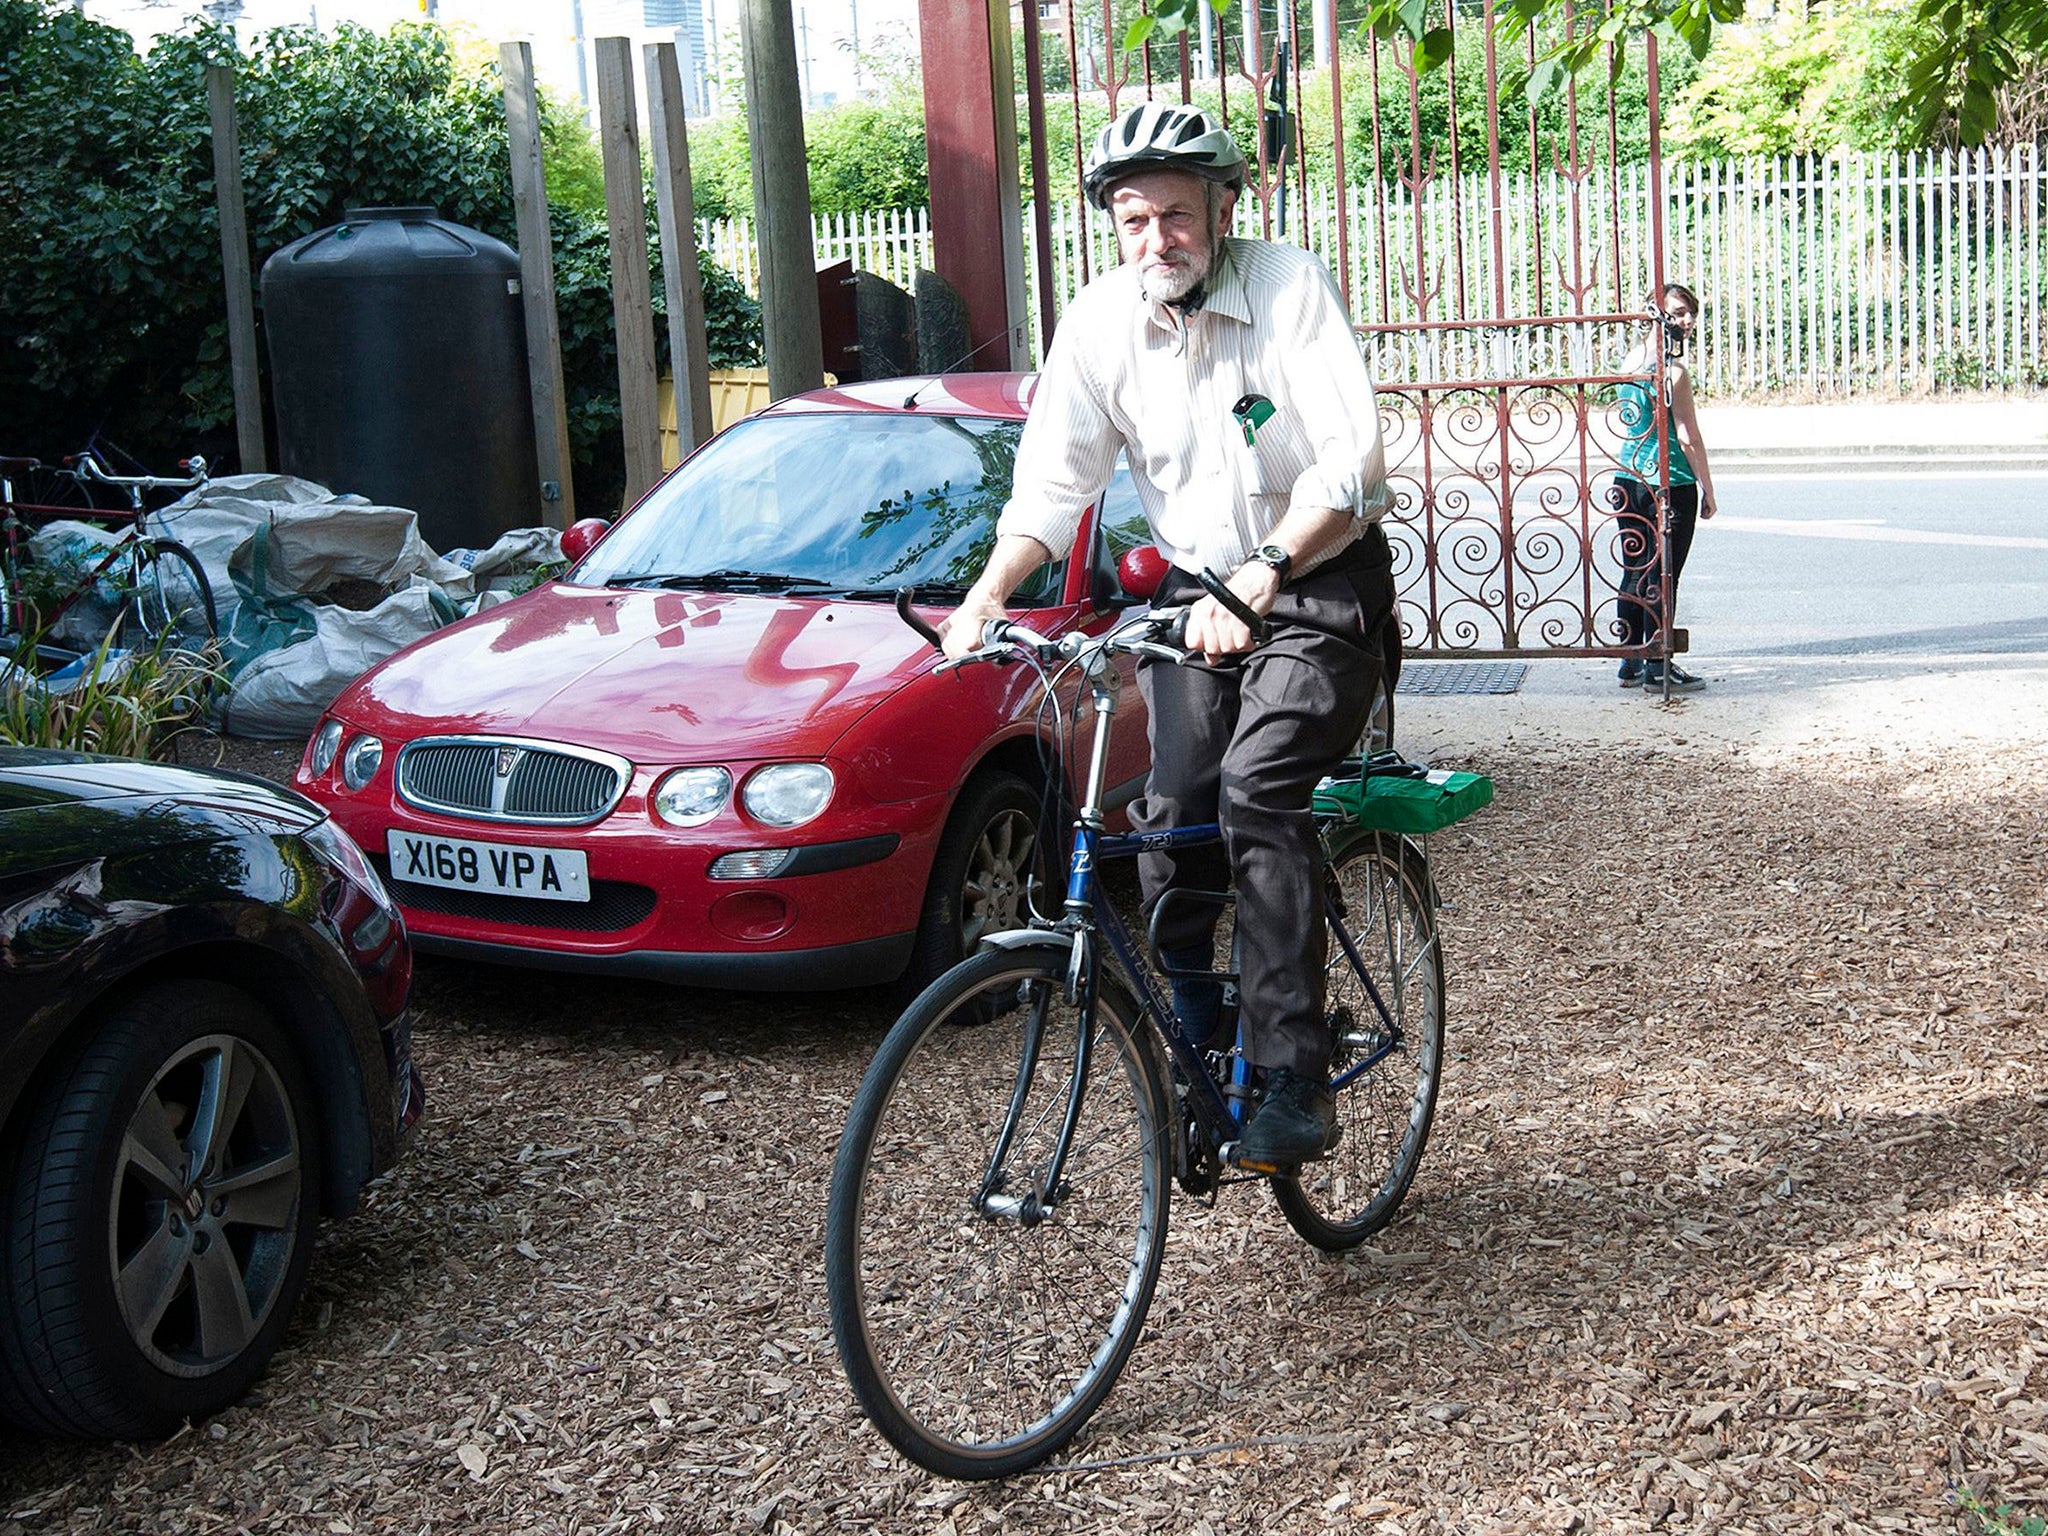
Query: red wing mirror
column 580, row 535
column 1141, row 570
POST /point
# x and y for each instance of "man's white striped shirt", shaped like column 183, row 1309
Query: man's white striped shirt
column 1125, row 372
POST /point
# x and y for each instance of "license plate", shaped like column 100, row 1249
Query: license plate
column 503, row 869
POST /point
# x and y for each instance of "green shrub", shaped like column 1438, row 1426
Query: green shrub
column 721, row 176
column 862, row 154
column 113, row 320
column 1802, row 87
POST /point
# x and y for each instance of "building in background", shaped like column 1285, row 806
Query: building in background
column 829, row 33
column 696, row 58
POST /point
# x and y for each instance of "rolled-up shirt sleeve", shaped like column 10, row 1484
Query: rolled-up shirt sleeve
column 1332, row 389
column 1068, row 450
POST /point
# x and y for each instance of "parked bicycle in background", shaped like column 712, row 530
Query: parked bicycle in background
column 156, row 586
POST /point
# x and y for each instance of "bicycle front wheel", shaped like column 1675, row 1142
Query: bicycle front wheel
column 172, row 596
column 981, row 1317
column 1387, row 1066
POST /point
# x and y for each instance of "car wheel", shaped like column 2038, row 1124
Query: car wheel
column 160, row 1212
column 981, row 878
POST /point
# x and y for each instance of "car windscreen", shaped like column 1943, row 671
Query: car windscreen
column 850, row 503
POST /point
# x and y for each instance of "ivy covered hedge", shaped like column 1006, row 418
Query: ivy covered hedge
column 114, row 320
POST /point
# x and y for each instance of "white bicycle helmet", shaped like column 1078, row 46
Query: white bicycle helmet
column 1170, row 137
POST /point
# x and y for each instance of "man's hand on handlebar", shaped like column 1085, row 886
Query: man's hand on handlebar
column 960, row 632
column 1217, row 632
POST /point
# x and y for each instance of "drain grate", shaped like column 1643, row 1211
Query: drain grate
column 1461, row 676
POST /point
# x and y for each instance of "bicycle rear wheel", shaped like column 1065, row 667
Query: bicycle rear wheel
column 1386, row 1078
column 979, row 1342
column 172, row 596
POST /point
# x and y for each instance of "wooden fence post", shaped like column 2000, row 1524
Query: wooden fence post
column 234, row 260
column 688, row 357
column 632, row 296
column 537, row 288
column 790, row 326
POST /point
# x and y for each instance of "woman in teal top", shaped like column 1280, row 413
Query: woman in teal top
column 1692, row 490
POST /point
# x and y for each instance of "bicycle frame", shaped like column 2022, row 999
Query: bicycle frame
column 1085, row 917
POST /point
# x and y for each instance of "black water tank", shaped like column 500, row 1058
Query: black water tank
column 398, row 370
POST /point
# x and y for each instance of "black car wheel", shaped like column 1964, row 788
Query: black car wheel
column 160, row 1214
column 982, row 876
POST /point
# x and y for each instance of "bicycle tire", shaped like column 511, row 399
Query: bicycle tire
column 158, row 613
column 1338, row 1202
column 979, row 1345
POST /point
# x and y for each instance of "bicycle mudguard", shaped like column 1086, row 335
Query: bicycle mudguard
column 1029, row 938
column 1416, row 806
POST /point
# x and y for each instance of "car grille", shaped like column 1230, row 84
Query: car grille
column 511, row 780
column 613, row 904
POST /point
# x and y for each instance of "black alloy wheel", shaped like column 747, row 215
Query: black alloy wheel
column 160, row 1213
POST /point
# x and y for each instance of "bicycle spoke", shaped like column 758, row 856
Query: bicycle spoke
column 983, row 1339
column 1384, row 1108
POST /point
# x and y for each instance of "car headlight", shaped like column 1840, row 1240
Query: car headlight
column 326, row 742
column 787, row 794
column 359, row 762
column 689, row 797
column 341, row 850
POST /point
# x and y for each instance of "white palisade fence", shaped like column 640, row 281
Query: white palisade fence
column 1878, row 274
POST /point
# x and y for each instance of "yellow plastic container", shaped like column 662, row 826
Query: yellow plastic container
column 735, row 392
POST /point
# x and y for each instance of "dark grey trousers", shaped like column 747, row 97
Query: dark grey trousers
column 1244, row 745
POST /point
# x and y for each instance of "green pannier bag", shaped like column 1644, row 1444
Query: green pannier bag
column 1415, row 802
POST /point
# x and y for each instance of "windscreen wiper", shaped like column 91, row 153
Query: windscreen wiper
column 728, row 580
column 923, row 591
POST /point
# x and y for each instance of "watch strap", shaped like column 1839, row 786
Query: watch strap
column 1274, row 556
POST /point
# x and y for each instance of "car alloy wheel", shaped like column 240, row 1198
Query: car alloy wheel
column 159, row 1215
column 995, row 896
column 981, row 877
column 206, row 1191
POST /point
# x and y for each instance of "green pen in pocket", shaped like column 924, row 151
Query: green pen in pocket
column 1251, row 413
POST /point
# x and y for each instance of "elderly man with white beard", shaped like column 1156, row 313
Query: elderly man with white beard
column 1227, row 372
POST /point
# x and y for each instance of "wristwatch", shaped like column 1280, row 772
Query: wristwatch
column 1273, row 555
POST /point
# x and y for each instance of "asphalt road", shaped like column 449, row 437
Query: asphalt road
column 1871, row 563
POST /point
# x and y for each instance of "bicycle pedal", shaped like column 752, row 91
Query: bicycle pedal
column 1233, row 1157
column 1270, row 1170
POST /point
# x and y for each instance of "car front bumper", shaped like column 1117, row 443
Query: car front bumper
column 864, row 963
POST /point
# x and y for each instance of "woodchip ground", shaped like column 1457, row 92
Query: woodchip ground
column 1732, row 1219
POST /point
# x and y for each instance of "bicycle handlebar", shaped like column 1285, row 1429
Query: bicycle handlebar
column 89, row 463
column 1234, row 605
column 904, row 612
column 1164, row 640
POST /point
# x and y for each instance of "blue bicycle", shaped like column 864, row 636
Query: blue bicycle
column 998, row 1207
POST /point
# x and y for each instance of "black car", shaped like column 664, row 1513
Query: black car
column 204, row 1047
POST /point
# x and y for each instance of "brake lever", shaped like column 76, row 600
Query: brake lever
column 1158, row 652
column 1234, row 605
column 994, row 655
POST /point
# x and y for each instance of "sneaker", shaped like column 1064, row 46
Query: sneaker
column 1297, row 1120
column 1631, row 673
column 1680, row 680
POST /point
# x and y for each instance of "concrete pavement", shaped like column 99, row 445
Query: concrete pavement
column 1993, row 432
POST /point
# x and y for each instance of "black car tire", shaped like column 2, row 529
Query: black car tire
column 80, row 1190
column 992, row 801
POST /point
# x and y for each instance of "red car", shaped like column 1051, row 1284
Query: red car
column 713, row 753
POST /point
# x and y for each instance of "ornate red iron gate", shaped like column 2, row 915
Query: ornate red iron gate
column 1495, row 331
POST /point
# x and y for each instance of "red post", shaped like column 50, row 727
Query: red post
column 971, row 147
